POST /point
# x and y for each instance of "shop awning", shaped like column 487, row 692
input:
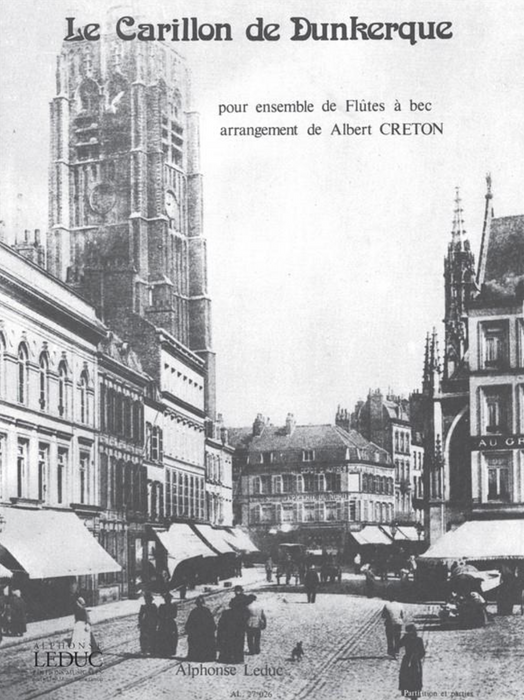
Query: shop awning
column 371, row 534
column 51, row 544
column 215, row 539
column 5, row 573
column 182, row 543
column 240, row 540
column 403, row 533
column 479, row 540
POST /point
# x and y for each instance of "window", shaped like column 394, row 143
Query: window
column 62, row 378
column 333, row 482
column 288, row 513
column 23, row 361
column 495, row 344
column 310, row 482
column 267, row 514
column 21, row 466
column 496, row 404
column 265, row 484
column 309, row 512
column 43, row 374
column 267, row 457
column 308, row 455
column 84, row 477
column 43, row 470
column 498, row 478
column 277, row 484
column 84, row 404
column 288, row 483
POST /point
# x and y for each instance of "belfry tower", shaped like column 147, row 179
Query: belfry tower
column 459, row 280
column 126, row 191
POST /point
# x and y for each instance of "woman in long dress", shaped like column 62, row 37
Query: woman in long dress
column 81, row 639
column 231, row 632
column 410, row 677
column 147, row 623
column 200, row 628
column 167, row 630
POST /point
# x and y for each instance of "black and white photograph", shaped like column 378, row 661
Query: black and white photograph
column 261, row 349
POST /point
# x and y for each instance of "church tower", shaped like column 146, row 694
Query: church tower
column 459, row 280
column 126, row 191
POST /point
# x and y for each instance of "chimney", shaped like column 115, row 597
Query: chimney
column 258, row 425
column 290, row 424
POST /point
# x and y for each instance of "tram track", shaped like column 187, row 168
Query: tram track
column 8, row 691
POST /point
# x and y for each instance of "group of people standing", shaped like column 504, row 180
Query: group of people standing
column 158, row 627
column 244, row 617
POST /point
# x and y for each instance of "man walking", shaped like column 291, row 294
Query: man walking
column 393, row 616
column 255, row 623
column 311, row 582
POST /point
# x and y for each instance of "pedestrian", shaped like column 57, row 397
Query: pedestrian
column 393, row 616
column 230, row 633
column 147, row 624
column 357, row 562
column 256, row 622
column 311, row 583
column 167, row 630
column 370, row 580
column 269, row 570
column 240, row 599
column 17, row 614
column 82, row 640
column 200, row 629
column 410, row 676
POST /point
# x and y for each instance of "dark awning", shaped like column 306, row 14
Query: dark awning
column 215, row 539
column 182, row 543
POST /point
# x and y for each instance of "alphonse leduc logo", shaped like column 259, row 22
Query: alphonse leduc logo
column 64, row 655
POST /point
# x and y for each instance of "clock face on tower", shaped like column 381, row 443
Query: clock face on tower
column 172, row 208
column 102, row 198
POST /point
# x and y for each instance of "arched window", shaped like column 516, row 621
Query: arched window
column 62, row 395
column 43, row 374
column 84, row 404
column 23, row 361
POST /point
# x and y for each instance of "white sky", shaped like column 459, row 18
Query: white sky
column 325, row 253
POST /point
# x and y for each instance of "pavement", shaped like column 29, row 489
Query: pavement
column 344, row 654
column 251, row 577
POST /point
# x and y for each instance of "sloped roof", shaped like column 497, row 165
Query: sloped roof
column 303, row 437
column 504, row 270
column 397, row 410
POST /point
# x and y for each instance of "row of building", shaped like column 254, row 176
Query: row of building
column 107, row 372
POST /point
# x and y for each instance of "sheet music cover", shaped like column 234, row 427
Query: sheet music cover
column 338, row 151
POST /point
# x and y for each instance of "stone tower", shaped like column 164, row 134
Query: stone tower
column 126, row 191
column 459, row 281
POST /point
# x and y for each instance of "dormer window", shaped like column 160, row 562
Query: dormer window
column 308, row 455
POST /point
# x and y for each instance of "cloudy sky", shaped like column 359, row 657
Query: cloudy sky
column 325, row 252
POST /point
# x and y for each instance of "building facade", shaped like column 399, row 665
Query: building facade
column 387, row 422
column 318, row 480
column 474, row 401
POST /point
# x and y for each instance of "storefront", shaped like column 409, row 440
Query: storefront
column 51, row 555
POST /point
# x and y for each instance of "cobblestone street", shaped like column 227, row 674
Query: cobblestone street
column 345, row 657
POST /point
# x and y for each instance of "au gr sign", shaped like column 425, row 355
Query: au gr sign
column 497, row 442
